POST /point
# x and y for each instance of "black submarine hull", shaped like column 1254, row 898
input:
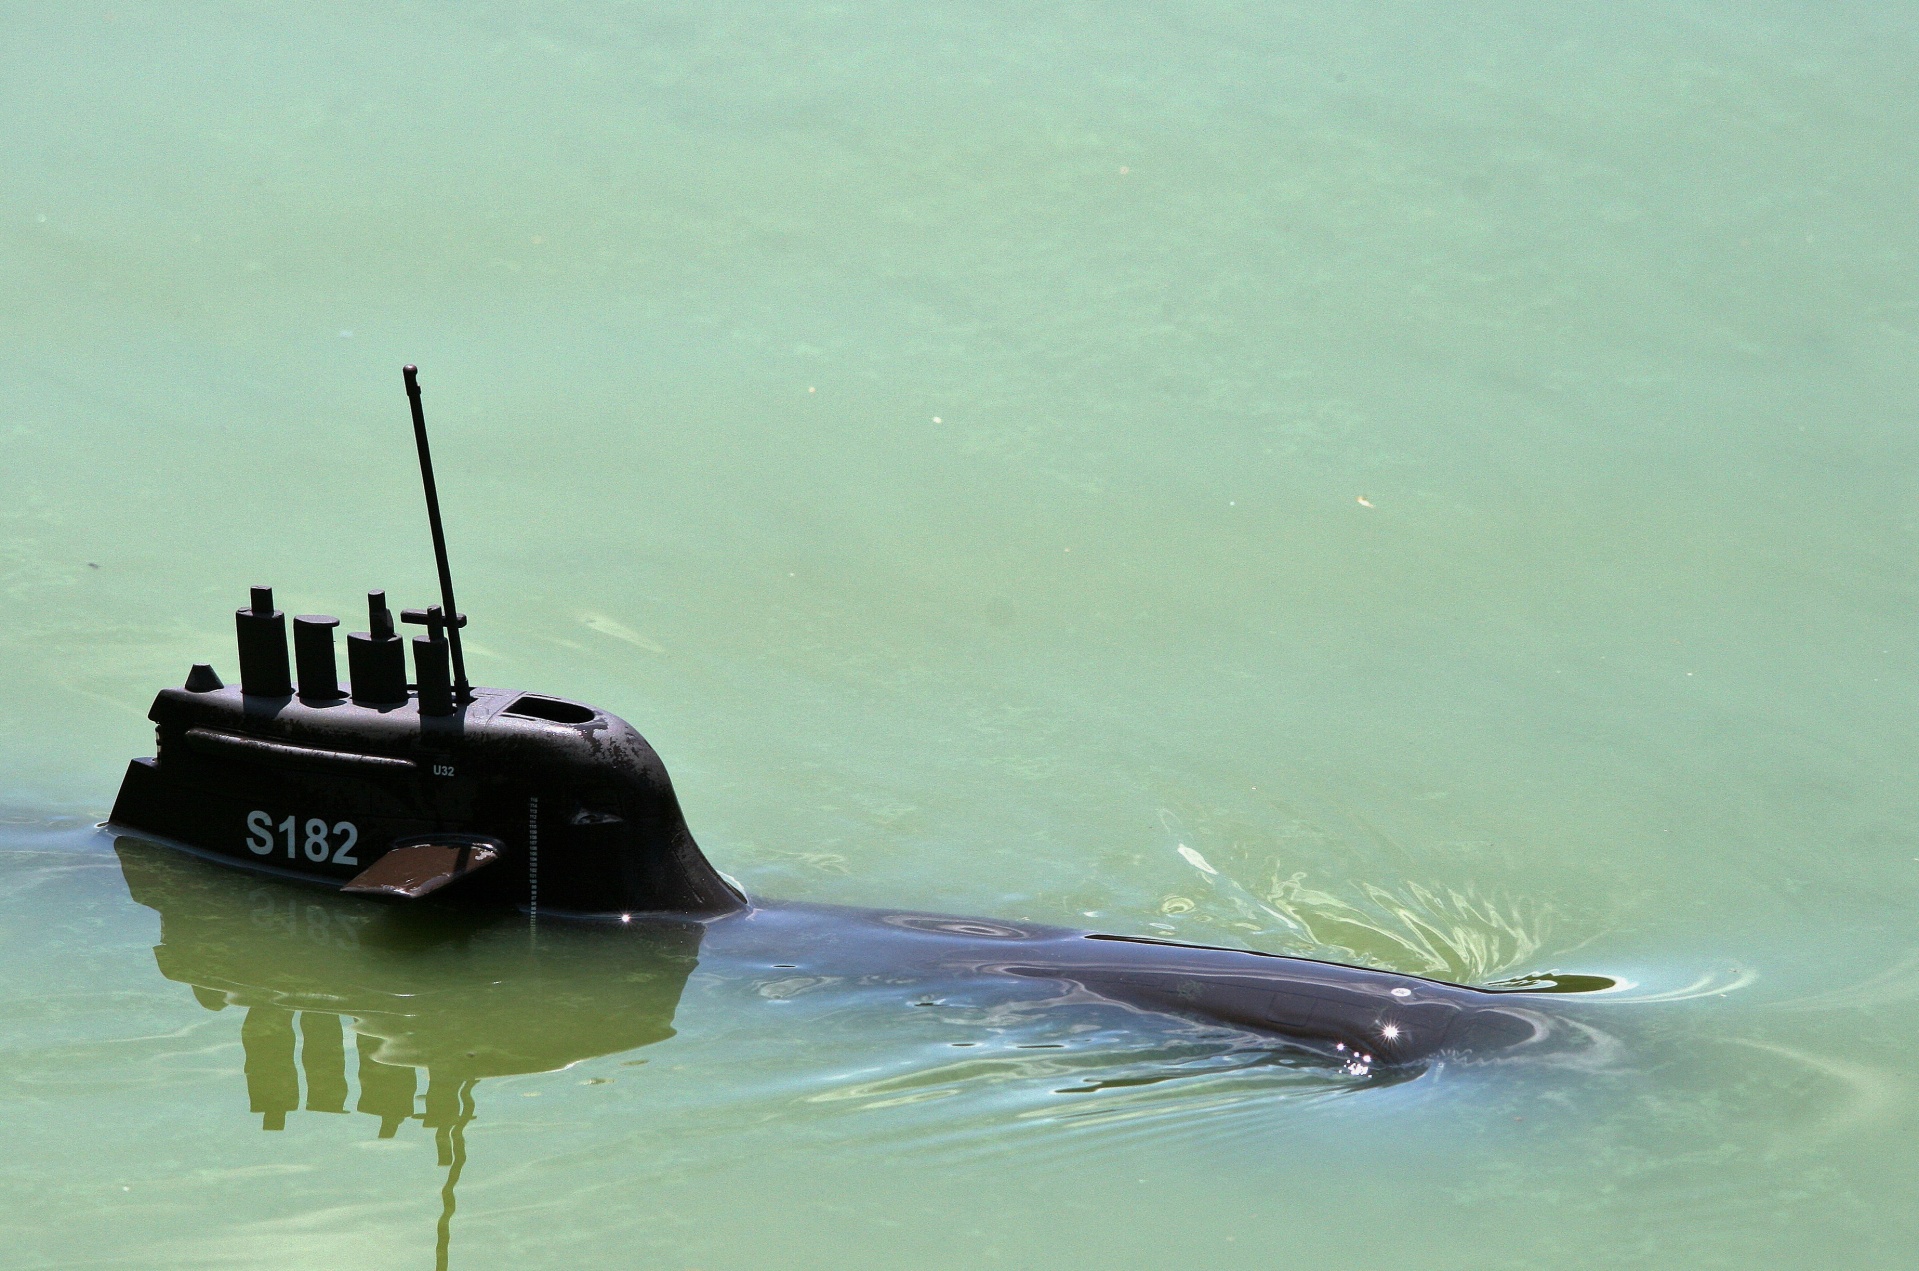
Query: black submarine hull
column 1357, row 1018
column 578, row 818
column 577, row 809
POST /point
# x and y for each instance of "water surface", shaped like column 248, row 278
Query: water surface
column 1425, row 487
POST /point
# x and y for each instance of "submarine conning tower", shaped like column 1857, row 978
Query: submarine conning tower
column 403, row 789
column 570, row 808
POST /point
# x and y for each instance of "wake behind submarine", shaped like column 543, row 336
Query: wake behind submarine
column 432, row 791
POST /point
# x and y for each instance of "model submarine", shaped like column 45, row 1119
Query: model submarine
column 402, row 788
column 429, row 787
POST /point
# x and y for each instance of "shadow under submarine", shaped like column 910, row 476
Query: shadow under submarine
column 496, row 798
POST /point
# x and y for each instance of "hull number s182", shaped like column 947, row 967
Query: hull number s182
column 319, row 842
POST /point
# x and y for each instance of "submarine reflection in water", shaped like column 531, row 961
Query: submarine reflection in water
column 462, row 1000
column 457, row 1000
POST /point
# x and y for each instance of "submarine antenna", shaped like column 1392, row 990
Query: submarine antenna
column 454, row 618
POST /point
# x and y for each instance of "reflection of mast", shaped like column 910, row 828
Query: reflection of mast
column 449, row 1135
column 459, row 998
column 386, row 1090
column 273, row 1087
column 323, row 1055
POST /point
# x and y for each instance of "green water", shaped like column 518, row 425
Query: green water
column 1425, row 485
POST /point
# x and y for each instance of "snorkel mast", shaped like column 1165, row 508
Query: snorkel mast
column 449, row 612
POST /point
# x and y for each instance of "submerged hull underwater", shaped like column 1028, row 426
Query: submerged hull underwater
column 1363, row 1020
column 1357, row 1018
